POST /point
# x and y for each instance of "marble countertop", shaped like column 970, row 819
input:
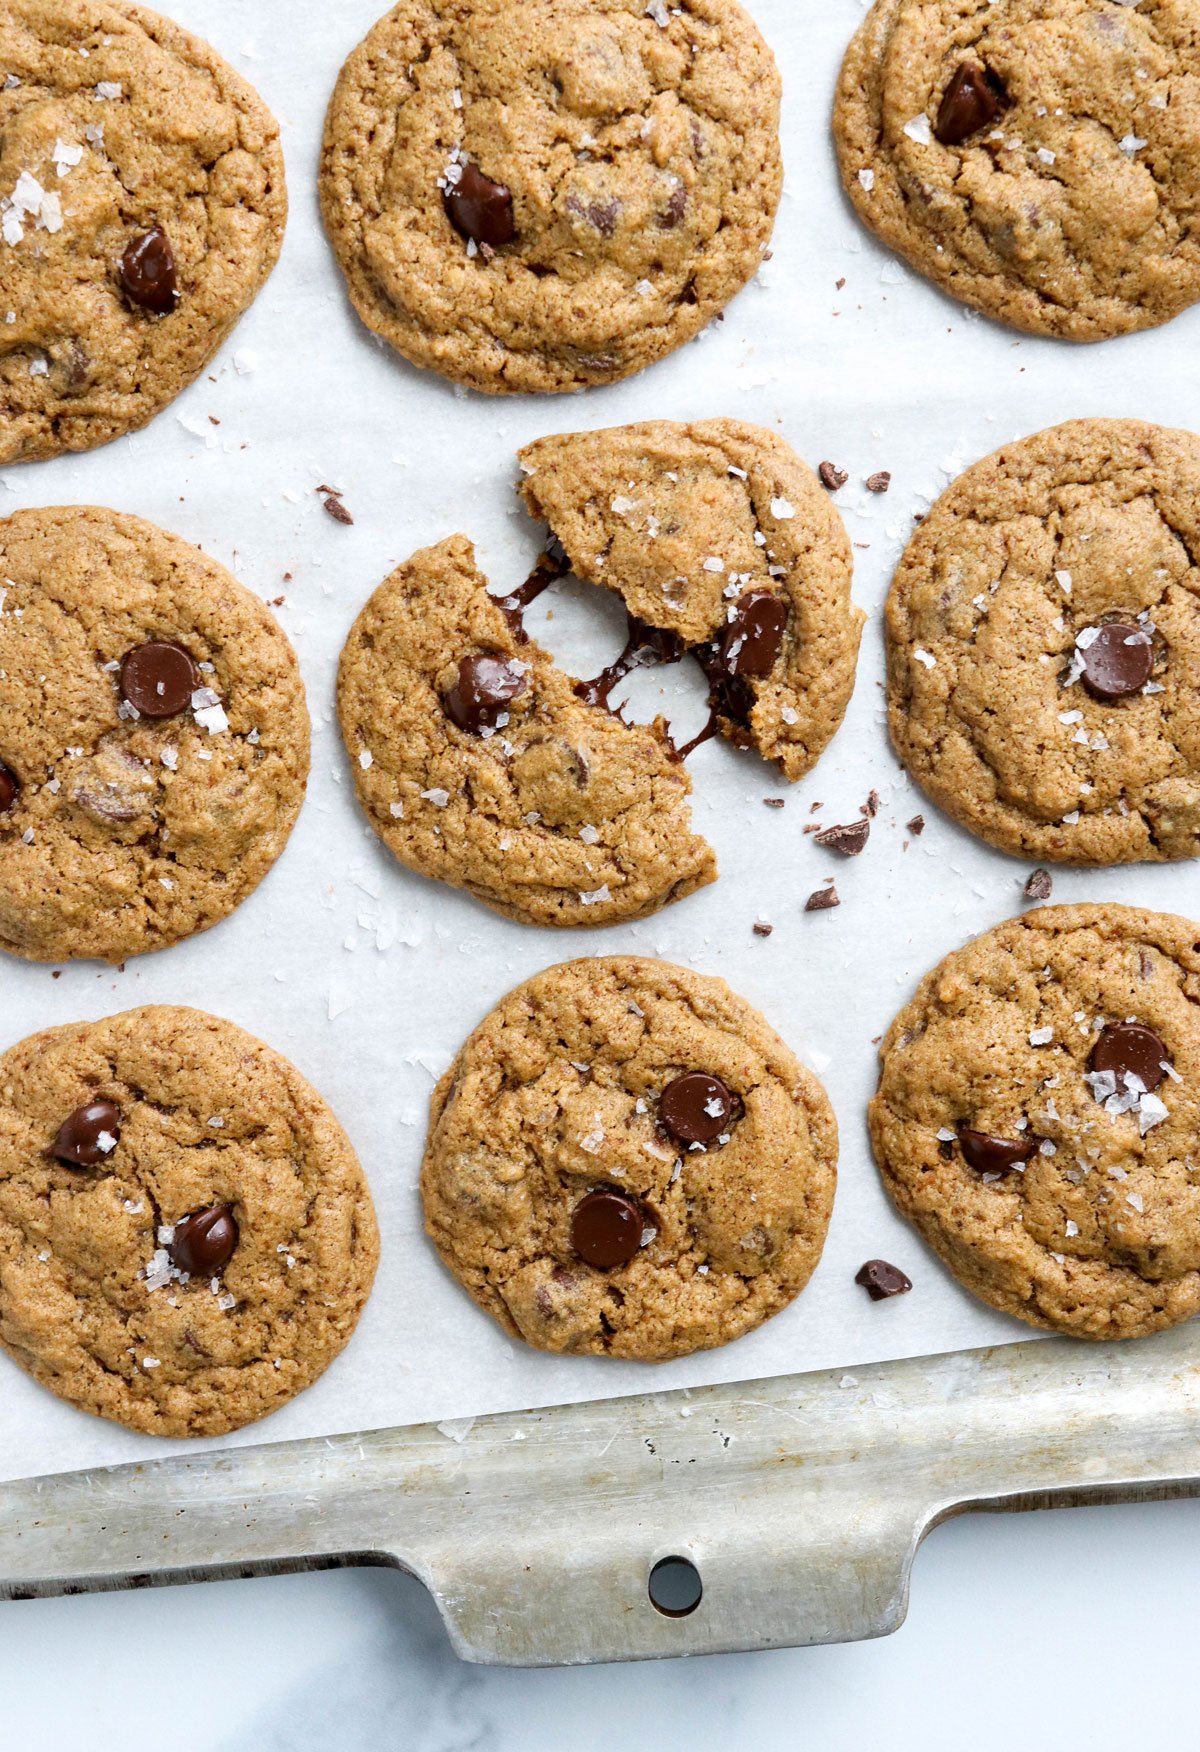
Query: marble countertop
column 1022, row 1629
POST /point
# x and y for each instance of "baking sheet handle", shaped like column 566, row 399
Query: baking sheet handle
column 800, row 1501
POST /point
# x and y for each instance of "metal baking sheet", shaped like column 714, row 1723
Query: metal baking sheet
column 369, row 977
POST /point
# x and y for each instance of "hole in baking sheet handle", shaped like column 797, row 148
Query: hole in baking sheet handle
column 675, row 1587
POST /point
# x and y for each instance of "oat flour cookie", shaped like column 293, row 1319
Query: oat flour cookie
column 1044, row 646
column 1039, row 159
column 537, row 195
column 1037, row 1119
column 186, row 1237
column 625, row 1159
column 479, row 764
column 153, row 737
column 717, row 533
column 142, row 205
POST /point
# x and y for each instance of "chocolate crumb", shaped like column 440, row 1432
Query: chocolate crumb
column 762, row 929
column 813, row 807
column 881, row 1280
column 832, row 477
column 336, row 509
column 822, row 900
column 871, row 806
column 841, row 283
column 917, row 826
column 774, row 802
column 849, row 837
column 879, row 483
column 1040, row 886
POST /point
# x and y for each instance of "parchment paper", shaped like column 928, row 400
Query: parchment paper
column 368, row 977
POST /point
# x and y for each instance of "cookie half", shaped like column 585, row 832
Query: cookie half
column 186, row 1237
column 718, row 534
column 142, row 206
column 479, row 764
column 1044, row 646
column 626, row 1160
column 154, row 740
column 537, row 195
column 1036, row 1118
column 1039, row 159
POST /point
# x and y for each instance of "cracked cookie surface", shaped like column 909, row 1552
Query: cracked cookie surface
column 550, row 810
column 538, row 195
column 121, row 832
column 1079, row 543
column 201, row 1117
column 116, row 125
column 1035, row 158
column 693, row 526
column 564, row 1092
column 1036, row 1119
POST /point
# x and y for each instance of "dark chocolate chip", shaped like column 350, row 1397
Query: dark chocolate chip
column 602, row 216
column 751, row 641
column 822, row 900
column 1118, row 662
column 1130, row 1047
column 78, row 1139
column 675, row 208
column 479, row 209
column 204, row 1241
column 832, row 476
column 917, row 826
column 973, row 98
column 485, row 689
column 696, row 1108
column 10, row 788
column 1040, row 886
column 158, row 679
column 849, row 839
column 881, row 1280
column 147, row 272
column 879, row 483
column 606, row 1228
column 990, row 1155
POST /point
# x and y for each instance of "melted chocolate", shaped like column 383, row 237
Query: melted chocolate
column 645, row 647
column 550, row 567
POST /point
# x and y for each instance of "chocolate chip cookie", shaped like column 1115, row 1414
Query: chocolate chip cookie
column 626, row 1160
column 1039, row 159
column 538, row 195
column 1044, row 646
column 1036, row 1118
column 717, row 536
column 186, row 1237
column 142, row 206
column 482, row 765
column 153, row 737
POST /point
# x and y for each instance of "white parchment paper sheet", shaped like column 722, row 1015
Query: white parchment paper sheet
column 367, row 976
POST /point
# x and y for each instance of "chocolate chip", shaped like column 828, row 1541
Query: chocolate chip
column 606, row 1228
column 973, row 98
column 881, row 1280
column 751, row 641
column 675, row 208
column 479, row 209
column 10, row 788
column 147, row 273
column 89, row 1135
column 602, row 216
column 204, row 1241
column 1040, row 886
column 917, row 826
column 849, row 839
column 822, row 900
column 990, row 1155
column 879, row 483
column 1130, row 1047
column 485, row 688
column 762, row 928
column 696, row 1108
column 158, row 678
column 832, row 476
column 1118, row 662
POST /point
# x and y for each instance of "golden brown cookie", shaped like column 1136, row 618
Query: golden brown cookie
column 537, row 195
column 186, row 1237
column 142, row 206
column 1036, row 158
column 479, row 764
column 717, row 534
column 153, row 737
column 1037, row 1118
column 1044, row 646
column 626, row 1160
